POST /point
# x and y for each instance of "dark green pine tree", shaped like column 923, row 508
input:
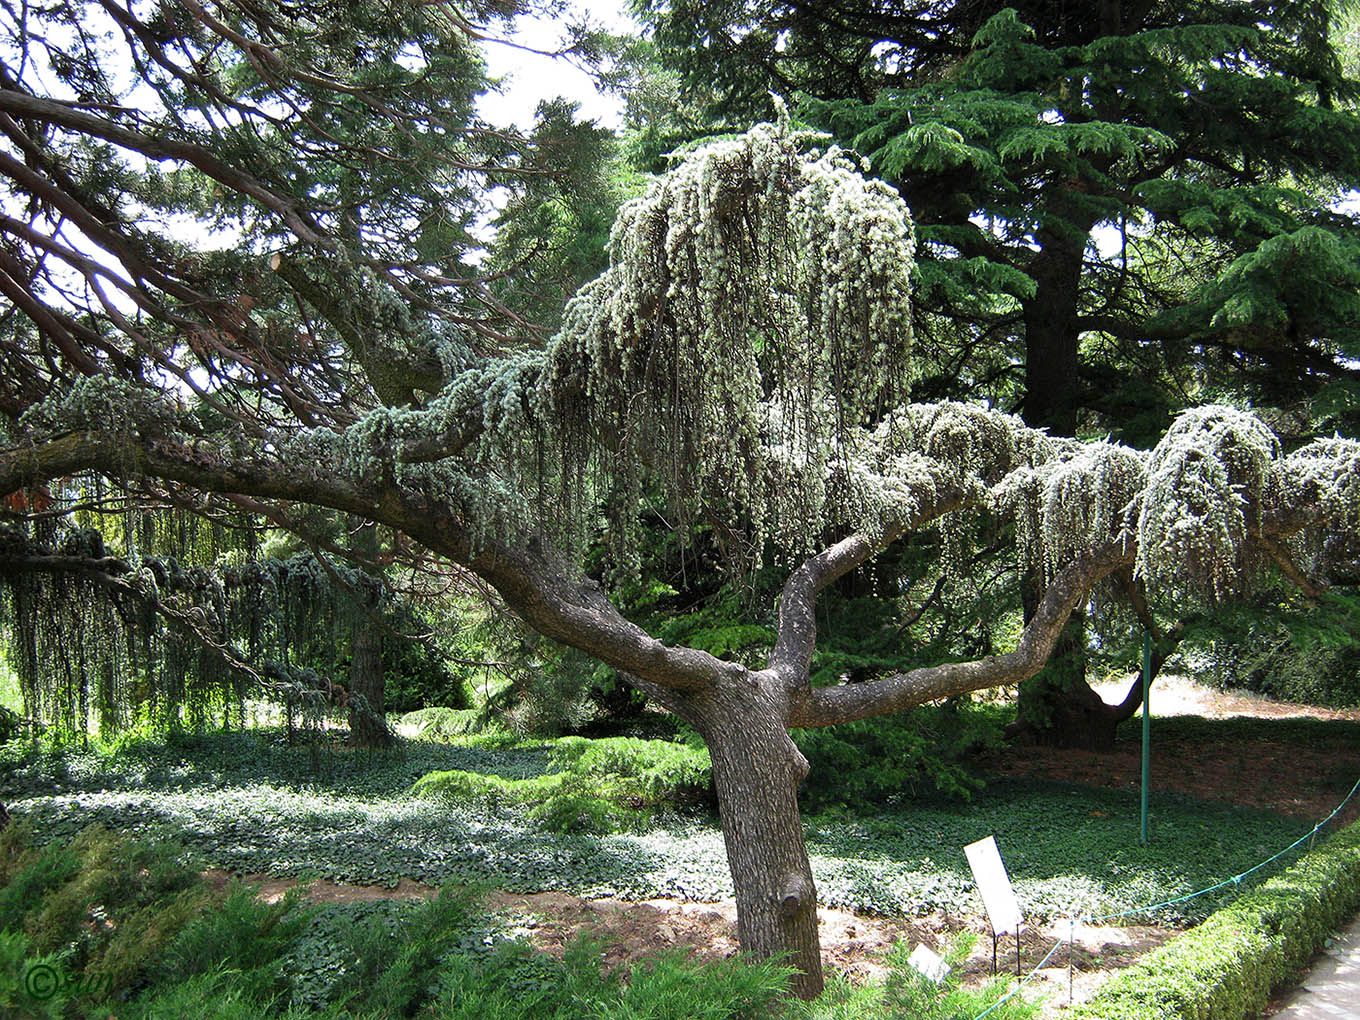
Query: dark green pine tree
column 1123, row 207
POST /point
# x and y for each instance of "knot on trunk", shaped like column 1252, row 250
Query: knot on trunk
column 794, row 895
column 800, row 765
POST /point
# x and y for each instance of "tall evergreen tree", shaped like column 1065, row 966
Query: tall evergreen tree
column 277, row 206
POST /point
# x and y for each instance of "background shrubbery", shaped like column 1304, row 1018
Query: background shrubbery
column 600, row 785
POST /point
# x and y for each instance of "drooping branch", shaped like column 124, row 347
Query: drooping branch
column 545, row 594
column 126, row 586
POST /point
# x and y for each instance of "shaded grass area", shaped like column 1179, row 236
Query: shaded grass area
column 247, row 802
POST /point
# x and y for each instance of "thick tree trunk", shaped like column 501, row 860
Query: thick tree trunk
column 1052, row 382
column 368, row 728
column 757, row 769
column 1078, row 717
column 1057, row 707
column 1071, row 716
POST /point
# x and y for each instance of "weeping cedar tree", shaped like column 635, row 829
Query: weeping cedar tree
column 1213, row 139
column 176, row 622
column 743, row 360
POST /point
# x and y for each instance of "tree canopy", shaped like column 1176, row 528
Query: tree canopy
column 1211, row 143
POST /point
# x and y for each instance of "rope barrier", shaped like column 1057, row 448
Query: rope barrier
column 1020, row 984
column 1234, row 880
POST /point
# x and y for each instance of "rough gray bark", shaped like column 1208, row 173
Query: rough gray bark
column 757, row 769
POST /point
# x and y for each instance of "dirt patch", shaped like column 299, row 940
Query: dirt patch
column 853, row 944
column 1086, row 957
column 323, row 890
column 634, row 930
column 1302, row 782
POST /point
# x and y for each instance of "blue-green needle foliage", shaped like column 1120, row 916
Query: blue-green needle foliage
column 1217, row 140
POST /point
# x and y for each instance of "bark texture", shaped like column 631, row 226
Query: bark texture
column 368, row 727
column 757, row 769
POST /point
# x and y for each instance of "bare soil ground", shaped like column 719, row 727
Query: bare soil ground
column 1286, row 778
column 1303, row 782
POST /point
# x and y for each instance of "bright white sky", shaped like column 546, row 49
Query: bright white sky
column 528, row 77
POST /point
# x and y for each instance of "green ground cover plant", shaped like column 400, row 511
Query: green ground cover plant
column 352, row 819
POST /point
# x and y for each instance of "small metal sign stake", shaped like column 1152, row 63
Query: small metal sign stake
column 994, row 885
column 1071, row 944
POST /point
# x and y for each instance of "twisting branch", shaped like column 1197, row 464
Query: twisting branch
column 1280, row 555
column 827, row 706
column 797, row 633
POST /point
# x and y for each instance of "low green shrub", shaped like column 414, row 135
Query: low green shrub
column 1227, row 967
column 442, row 723
column 109, row 905
column 884, row 760
column 222, row 995
column 243, row 935
column 603, row 785
column 391, row 976
column 17, row 965
column 516, row 982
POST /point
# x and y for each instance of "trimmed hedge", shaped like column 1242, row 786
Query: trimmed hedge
column 1226, row 968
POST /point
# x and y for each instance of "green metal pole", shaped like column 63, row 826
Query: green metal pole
column 1147, row 729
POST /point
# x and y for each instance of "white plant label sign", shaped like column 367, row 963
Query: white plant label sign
column 994, row 884
column 928, row 964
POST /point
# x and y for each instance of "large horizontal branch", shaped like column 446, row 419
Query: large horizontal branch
column 846, row 702
column 576, row 613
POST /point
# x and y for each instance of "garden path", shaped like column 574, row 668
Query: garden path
column 1331, row 991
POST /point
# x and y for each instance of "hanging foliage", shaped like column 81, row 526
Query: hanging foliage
column 752, row 316
column 100, row 640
